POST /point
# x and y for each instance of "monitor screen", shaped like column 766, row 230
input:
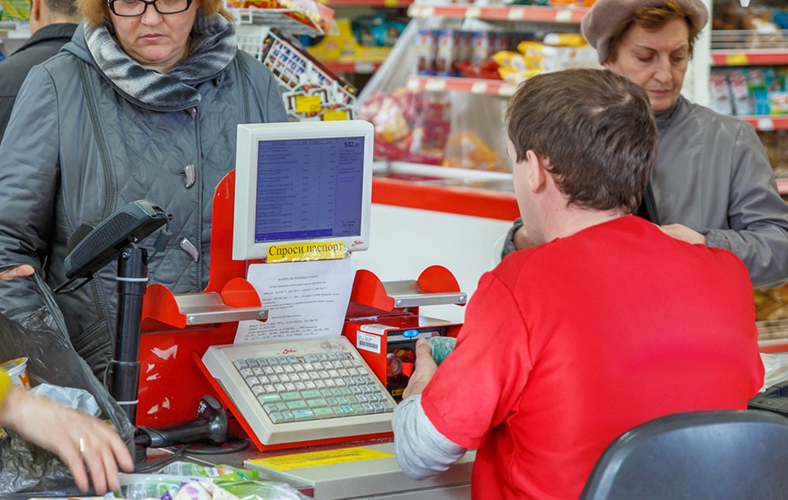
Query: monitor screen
column 302, row 182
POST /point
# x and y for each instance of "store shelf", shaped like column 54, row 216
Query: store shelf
column 360, row 67
column 749, row 57
column 470, row 85
column 368, row 3
column 565, row 15
column 280, row 18
column 446, row 199
column 767, row 123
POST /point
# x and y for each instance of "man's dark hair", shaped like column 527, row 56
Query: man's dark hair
column 594, row 131
column 62, row 8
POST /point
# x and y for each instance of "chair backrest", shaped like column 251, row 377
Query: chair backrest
column 725, row 454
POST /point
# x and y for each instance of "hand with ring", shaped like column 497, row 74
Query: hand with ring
column 84, row 443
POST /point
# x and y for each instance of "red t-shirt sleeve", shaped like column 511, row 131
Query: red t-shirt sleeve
column 480, row 381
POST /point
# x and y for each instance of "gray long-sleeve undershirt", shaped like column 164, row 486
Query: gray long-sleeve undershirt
column 421, row 450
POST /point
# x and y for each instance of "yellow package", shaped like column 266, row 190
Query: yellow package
column 510, row 59
column 564, row 40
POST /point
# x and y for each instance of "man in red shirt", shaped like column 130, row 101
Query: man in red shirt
column 606, row 324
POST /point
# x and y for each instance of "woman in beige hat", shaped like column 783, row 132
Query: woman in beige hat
column 712, row 183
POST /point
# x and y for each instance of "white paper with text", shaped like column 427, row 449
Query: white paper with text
column 304, row 299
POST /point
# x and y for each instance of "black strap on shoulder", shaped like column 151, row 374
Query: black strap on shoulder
column 648, row 207
column 101, row 141
column 244, row 88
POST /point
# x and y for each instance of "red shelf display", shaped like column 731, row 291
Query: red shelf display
column 470, row 85
column 570, row 15
column 749, row 57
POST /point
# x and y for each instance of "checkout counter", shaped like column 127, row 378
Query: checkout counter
column 178, row 330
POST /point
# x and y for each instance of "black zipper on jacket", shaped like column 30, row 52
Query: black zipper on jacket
column 201, row 181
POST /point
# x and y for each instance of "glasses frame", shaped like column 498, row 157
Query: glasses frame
column 147, row 3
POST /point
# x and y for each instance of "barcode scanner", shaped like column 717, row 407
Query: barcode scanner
column 210, row 425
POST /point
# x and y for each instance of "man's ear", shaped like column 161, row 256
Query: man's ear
column 35, row 9
column 537, row 175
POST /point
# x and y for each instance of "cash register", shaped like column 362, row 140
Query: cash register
column 300, row 190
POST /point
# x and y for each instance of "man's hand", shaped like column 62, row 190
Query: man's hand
column 683, row 233
column 79, row 439
column 424, row 370
column 16, row 272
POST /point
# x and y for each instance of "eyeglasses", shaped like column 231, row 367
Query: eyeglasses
column 134, row 8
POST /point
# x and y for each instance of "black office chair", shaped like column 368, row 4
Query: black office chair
column 696, row 455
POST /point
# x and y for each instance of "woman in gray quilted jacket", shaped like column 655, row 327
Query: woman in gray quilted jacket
column 142, row 103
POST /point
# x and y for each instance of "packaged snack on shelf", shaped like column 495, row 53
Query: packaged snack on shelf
column 478, row 138
column 512, row 66
column 741, row 99
column 17, row 10
column 719, row 94
column 445, row 52
column 448, row 128
column 344, row 47
column 308, row 16
column 426, row 46
column 310, row 91
column 378, row 30
column 409, row 126
column 778, row 102
column 543, row 57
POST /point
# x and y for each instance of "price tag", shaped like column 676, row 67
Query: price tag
column 473, row 12
column 308, row 104
column 563, row 16
column 507, row 90
column 391, row 3
column 479, row 88
column 335, row 115
column 365, row 67
column 765, row 124
column 516, row 14
column 435, row 85
column 736, row 59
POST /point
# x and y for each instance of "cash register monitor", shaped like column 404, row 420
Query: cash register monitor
column 302, row 181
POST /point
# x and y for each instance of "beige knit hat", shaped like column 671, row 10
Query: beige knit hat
column 606, row 15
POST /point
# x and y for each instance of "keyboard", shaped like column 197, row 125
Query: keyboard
column 302, row 390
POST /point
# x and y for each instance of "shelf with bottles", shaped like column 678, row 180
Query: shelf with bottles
column 569, row 14
column 360, row 67
column 419, row 83
column 444, row 102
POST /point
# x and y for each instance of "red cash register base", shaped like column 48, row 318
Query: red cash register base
column 173, row 378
